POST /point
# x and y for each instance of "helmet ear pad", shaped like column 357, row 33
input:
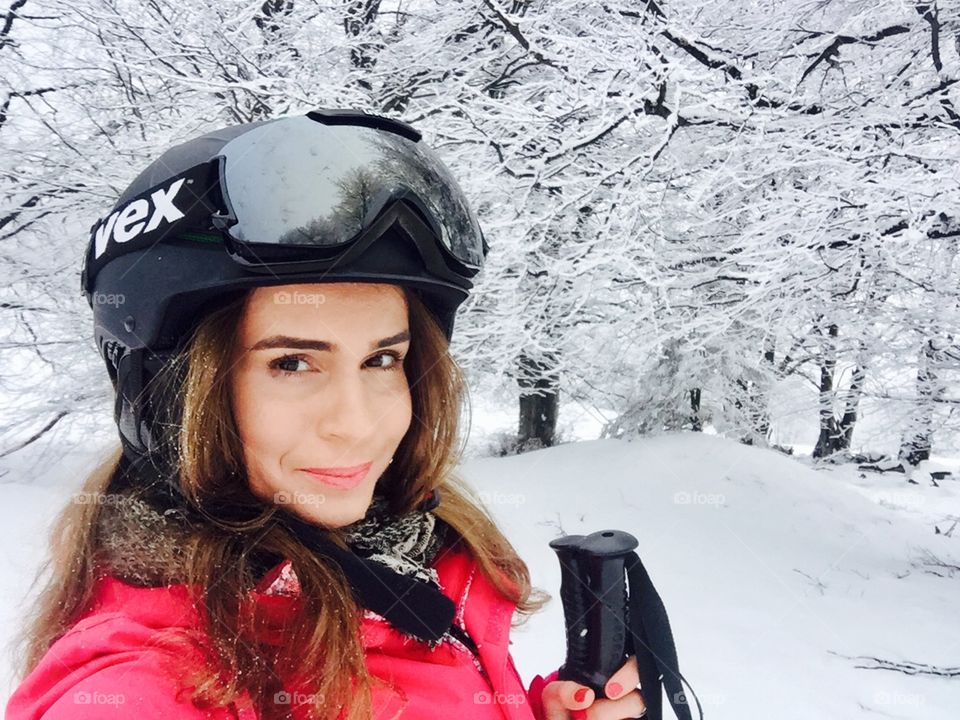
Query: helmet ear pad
column 144, row 402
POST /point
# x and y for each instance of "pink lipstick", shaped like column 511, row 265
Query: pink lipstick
column 342, row 478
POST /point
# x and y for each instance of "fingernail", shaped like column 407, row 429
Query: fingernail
column 578, row 714
column 580, row 695
column 614, row 689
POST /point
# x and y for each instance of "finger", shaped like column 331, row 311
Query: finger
column 623, row 680
column 560, row 696
column 630, row 705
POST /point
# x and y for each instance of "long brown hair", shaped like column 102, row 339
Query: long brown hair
column 323, row 646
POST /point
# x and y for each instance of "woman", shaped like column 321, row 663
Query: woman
column 281, row 533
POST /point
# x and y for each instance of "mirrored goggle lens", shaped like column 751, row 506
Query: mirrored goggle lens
column 299, row 182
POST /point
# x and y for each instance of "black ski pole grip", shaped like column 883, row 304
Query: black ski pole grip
column 596, row 607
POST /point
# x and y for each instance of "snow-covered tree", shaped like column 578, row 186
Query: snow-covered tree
column 686, row 204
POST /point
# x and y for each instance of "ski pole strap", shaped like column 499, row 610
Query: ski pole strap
column 654, row 646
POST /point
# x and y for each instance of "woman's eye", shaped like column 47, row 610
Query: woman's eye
column 288, row 364
column 283, row 364
column 396, row 361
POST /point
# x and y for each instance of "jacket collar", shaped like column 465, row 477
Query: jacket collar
column 143, row 539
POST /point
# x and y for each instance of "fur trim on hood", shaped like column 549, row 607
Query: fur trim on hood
column 145, row 543
column 141, row 544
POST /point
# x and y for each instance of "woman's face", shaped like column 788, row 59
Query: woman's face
column 318, row 382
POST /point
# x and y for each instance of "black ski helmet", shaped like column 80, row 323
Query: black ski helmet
column 330, row 196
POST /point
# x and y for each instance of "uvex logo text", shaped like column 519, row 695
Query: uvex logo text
column 130, row 221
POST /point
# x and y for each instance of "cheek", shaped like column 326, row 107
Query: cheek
column 402, row 411
column 262, row 421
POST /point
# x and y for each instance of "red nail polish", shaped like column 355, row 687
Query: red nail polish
column 578, row 714
column 580, row 695
column 614, row 689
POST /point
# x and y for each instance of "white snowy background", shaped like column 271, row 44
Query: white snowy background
column 751, row 200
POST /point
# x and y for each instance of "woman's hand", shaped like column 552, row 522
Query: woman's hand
column 568, row 700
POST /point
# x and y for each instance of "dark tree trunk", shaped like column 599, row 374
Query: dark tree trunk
column 696, row 423
column 539, row 402
column 852, row 408
column 763, row 417
column 827, row 441
column 837, row 433
column 747, row 402
column 918, row 440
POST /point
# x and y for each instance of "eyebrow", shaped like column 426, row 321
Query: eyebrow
column 285, row 341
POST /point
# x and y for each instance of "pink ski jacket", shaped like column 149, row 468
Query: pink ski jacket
column 106, row 667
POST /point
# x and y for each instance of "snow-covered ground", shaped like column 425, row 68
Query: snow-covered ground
column 792, row 592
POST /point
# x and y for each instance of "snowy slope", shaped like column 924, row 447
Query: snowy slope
column 786, row 586
column 779, row 580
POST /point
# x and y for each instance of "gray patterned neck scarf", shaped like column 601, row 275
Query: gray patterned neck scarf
column 407, row 544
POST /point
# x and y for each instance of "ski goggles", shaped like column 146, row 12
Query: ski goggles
column 304, row 193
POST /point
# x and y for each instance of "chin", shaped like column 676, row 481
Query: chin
column 336, row 513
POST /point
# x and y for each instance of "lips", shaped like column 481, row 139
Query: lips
column 344, row 478
column 340, row 471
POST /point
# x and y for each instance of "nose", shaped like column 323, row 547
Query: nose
column 348, row 411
